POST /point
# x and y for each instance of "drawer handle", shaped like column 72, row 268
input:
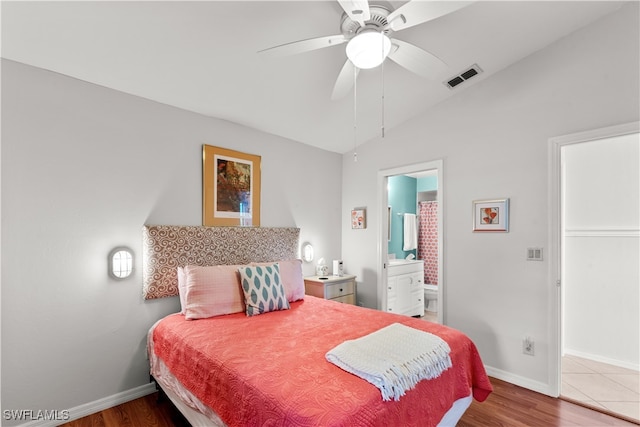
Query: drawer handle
column 340, row 289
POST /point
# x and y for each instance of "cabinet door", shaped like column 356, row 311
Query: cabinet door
column 417, row 295
column 403, row 293
column 392, row 303
column 409, row 294
column 417, row 280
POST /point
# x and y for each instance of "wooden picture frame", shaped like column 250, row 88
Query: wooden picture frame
column 359, row 218
column 230, row 187
column 491, row 215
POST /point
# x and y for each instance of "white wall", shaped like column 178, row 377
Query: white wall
column 601, row 252
column 70, row 335
column 83, row 168
column 493, row 140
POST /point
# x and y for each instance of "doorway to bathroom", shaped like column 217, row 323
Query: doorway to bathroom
column 411, row 207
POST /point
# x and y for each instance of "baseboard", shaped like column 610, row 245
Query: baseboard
column 527, row 383
column 602, row 359
column 95, row 406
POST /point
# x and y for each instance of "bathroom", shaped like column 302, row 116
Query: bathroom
column 416, row 194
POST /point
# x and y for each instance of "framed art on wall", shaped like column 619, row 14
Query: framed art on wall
column 359, row 218
column 491, row 215
column 230, row 187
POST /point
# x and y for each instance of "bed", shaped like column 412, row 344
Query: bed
column 223, row 364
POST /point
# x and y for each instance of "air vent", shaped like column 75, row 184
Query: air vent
column 454, row 81
column 469, row 73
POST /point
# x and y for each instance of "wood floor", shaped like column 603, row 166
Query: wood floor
column 514, row 406
column 508, row 405
column 146, row 411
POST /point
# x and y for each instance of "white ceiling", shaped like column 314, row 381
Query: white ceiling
column 202, row 56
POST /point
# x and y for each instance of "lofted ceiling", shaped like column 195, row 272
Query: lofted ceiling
column 202, row 56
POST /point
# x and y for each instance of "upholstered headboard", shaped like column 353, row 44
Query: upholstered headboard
column 166, row 247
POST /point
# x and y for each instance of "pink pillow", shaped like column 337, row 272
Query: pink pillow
column 212, row 291
column 291, row 276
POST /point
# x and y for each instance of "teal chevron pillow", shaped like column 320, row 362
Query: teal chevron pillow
column 263, row 289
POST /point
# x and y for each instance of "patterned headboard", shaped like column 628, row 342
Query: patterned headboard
column 166, row 247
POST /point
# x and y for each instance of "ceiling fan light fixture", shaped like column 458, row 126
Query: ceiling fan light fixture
column 368, row 49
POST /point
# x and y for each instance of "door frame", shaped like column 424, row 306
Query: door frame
column 556, row 243
column 383, row 200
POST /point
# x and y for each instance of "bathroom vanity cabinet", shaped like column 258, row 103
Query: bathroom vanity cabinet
column 405, row 290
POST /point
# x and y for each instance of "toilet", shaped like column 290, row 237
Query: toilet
column 431, row 298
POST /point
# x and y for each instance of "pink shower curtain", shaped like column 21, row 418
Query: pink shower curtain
column 428, row 241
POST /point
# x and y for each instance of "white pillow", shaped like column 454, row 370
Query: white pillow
column 212, row 291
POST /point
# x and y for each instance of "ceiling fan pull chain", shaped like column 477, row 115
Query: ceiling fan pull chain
column 382, row 73
column 355, row 113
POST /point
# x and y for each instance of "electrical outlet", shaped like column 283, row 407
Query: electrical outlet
column 528, row 346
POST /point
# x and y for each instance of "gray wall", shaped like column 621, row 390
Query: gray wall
column 493, row 139
column 83, row 168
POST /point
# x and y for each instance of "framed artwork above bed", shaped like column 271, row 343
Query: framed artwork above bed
column 230, row 187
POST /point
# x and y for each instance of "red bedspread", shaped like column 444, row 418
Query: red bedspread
column 271, row 369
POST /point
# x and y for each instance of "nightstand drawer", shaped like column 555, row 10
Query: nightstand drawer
column 335, row 290
column 347, row 299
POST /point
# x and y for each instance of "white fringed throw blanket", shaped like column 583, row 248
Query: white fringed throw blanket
column 394, row 358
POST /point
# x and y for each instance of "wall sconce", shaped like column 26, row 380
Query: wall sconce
column 121, row 263
column 307, row 252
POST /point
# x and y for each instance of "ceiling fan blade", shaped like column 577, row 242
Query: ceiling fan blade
column 345, row 80
column 416, row 60
column 304, row 45
column 358, row 10
column 419, row 11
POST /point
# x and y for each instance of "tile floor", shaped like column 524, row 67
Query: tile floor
column 602, row 386
column 430, row 316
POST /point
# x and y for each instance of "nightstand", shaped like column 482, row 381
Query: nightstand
column 336, row 288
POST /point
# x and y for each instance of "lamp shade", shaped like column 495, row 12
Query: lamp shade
column 368, row 49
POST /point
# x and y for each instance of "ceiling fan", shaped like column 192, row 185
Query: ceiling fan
column 368, row 31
